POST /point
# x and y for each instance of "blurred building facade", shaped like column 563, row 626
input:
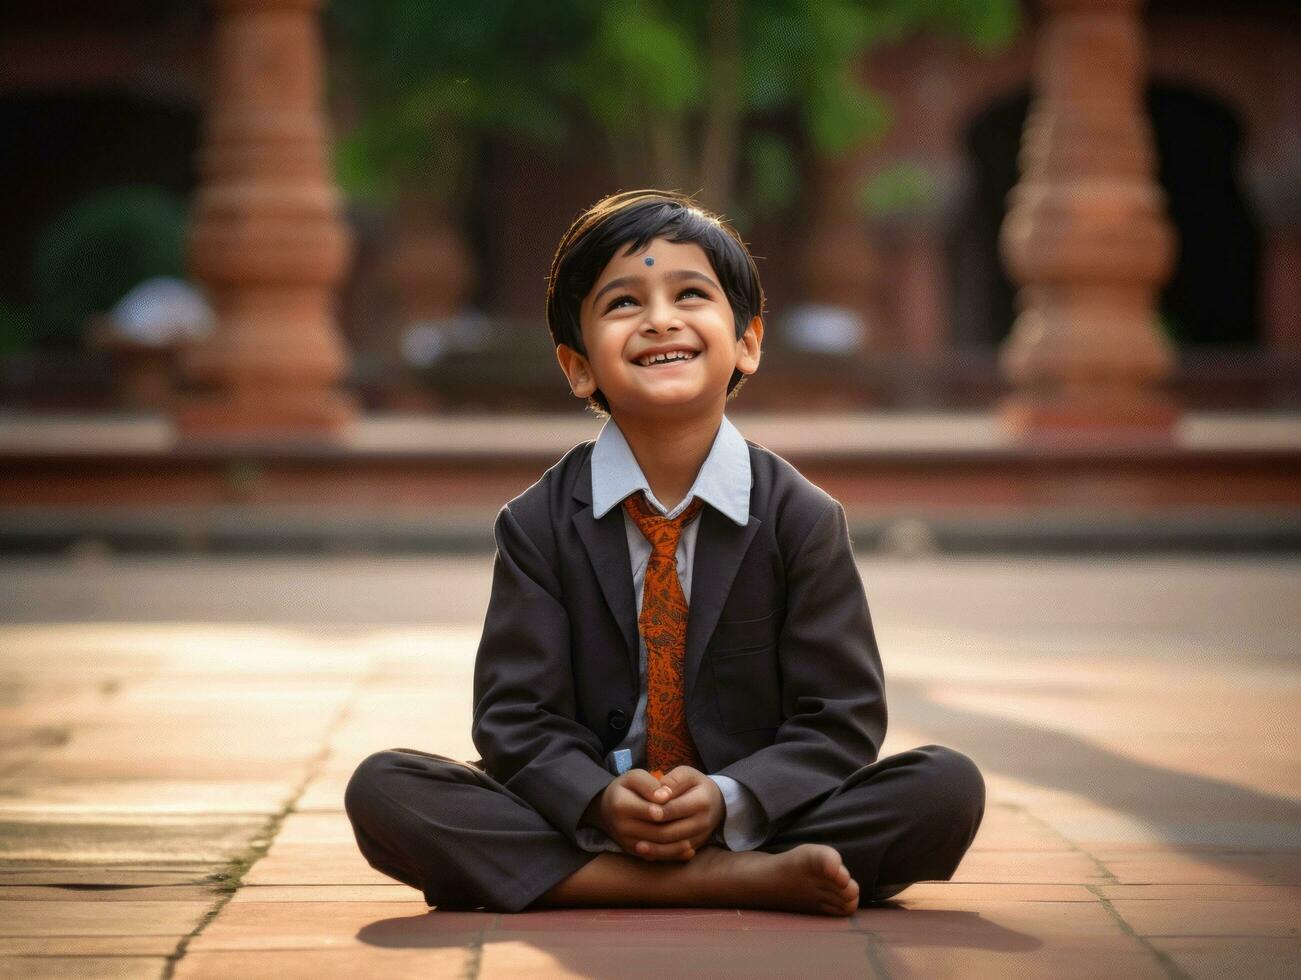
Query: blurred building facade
column 94, row 96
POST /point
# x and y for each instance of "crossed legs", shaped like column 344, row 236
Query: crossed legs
column 466, row 841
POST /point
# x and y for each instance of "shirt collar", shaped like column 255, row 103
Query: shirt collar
column 723, row 480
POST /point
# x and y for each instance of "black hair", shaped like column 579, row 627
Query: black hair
column 634, row 218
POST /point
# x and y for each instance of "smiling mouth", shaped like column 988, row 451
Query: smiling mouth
column 676, row 358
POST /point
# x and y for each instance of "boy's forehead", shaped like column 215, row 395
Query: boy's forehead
column 658, row 255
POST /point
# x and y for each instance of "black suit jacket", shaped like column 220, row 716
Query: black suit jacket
column 784, row 688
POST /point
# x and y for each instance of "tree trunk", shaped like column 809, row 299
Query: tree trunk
column 718, row 154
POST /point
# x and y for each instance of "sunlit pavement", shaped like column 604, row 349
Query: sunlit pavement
column 176, row 735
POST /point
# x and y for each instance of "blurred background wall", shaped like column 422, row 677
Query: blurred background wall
column 467, row 136
column 273, row 271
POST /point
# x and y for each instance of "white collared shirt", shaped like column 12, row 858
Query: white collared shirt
column 724, row 483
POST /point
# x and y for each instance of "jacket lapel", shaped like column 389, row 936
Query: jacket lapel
column 606, row 542
column 720, row 546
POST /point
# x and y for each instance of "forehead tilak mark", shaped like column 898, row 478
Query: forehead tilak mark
column 650, row 260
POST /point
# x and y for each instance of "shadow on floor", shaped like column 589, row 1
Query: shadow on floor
column 595, row 942
column 1182, row 809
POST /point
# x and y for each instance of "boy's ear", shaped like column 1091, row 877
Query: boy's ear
column 749, row 347
column 576, row 369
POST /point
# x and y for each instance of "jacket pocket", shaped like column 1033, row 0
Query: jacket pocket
column 746, row 634
column 747, row 686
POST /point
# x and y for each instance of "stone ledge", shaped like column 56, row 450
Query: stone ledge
column 280, row 530
column 534, row 435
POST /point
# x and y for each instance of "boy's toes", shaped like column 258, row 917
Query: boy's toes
column 828, row 863
column 849, row 896
column 840, row 906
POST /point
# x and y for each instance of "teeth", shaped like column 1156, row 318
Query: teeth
column 663, row 358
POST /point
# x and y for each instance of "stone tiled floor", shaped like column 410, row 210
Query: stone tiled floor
column 170, row 792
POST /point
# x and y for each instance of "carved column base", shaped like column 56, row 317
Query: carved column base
column 1087, row 358
column 271, row 365
column 1081, row 416
column 267, row 238
column 1087, row 238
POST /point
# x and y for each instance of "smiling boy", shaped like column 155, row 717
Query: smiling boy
column 678, row 695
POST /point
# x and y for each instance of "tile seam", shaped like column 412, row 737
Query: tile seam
column 261, row 843
column 1166, row 962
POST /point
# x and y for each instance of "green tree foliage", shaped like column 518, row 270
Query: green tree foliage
column 674, row 85
column 93, row 253
column 432, row 78
column 18, row 327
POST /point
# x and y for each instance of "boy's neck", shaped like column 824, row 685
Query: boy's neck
column 670, row 453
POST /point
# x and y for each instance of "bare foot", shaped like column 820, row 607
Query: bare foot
column 808, row 878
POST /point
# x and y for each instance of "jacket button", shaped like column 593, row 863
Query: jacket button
column 617, row 720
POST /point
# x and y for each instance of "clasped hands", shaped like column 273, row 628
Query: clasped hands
column 665, row 819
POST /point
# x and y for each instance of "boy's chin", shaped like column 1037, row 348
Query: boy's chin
column 666, row 404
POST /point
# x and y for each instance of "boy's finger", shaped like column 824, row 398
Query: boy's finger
column 677, row 851
column 680, row 778
column 643, row 788
column 680, row 781
column 679, row 830
column 641, row 782
column 630, row 806
column 685, row 805
column 663, row 791
column 648, row 785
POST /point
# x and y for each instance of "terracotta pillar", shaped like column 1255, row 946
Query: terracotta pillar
column 267, row 239
column 1087, row 236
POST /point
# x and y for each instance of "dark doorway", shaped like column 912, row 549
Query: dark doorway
column 58, row 147
column 1211, row 299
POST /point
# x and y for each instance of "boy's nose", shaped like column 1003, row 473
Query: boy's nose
column 662, row 316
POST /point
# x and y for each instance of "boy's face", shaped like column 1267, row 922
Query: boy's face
column 665, row 298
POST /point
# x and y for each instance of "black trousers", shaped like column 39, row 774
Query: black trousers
column 452, row 831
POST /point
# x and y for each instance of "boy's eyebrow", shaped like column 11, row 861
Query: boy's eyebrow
column 674, row 276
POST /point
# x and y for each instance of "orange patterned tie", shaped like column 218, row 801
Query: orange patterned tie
column 663, row 623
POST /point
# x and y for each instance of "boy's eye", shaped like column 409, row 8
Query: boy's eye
column 615, row 304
